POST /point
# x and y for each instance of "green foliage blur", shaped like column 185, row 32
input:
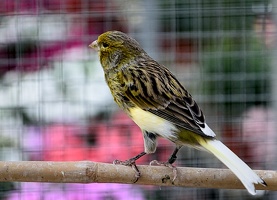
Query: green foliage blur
column 234, row 61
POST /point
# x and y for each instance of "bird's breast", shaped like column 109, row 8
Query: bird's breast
column 153, row 123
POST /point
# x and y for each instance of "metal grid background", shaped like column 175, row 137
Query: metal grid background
column 54, row 104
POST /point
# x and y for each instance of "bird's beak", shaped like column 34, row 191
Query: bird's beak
column 94, row 45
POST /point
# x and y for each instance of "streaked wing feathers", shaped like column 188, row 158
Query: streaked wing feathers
column 161, row 94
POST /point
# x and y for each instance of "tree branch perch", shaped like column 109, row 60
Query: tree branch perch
column 93, row 172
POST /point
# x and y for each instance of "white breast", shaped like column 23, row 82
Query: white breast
column 152, row 123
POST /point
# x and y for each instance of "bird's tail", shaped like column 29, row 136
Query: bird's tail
column 246, row 175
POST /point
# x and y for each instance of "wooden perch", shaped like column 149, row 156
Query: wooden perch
column 92, row 172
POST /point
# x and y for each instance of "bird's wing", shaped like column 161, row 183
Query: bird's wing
column 153, row 88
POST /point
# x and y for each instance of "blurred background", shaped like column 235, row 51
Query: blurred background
column 55, row 105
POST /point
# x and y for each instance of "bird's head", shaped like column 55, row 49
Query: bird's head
column 115, row 47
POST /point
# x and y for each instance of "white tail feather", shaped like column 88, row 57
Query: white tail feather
column 246, row 175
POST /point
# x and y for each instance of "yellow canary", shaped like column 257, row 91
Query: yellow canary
column 156, row 101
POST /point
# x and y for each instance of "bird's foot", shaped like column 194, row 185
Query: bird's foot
column 166, row 164
column 132, row 163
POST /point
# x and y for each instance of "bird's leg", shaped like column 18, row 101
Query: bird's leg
column 131, row 162
column 169, row 162
column 173, row 156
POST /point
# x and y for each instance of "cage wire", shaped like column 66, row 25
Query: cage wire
column 55, row 105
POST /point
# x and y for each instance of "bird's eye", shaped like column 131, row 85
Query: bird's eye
column 105, row 45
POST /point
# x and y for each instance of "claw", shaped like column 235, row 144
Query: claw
column 166, row 164
column 132, row 163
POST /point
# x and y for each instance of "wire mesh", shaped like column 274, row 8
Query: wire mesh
column 55, row 105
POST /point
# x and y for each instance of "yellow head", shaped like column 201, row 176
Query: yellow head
column 114, row 48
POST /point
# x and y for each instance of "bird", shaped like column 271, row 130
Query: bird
column 160, row 105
